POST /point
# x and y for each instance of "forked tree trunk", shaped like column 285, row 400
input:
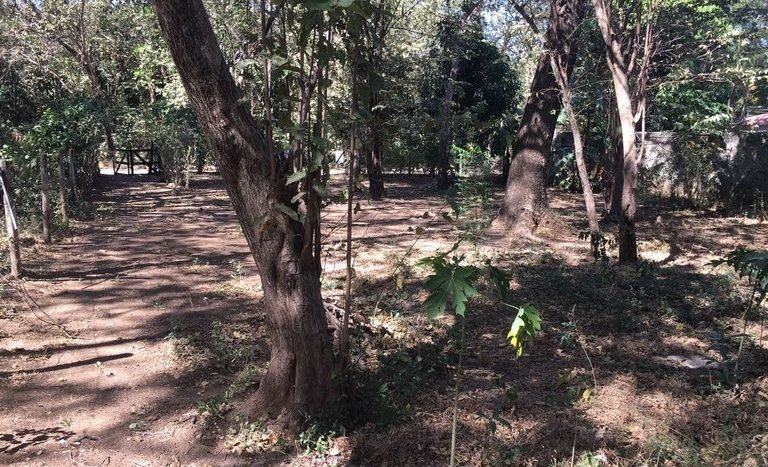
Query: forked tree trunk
column 628, row 166
column 299, row 374
column 525, row 199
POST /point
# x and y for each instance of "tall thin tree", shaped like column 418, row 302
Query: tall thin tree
column 630, row 103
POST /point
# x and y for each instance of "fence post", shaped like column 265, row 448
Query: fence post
column 11, row 226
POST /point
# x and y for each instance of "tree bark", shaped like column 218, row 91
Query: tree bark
column 45, row 202
column 73, row 178
column 525, row 199
column 619, row 75
column 375, row 161
column 444, row 142
column 63, row 198
column 615, row 180
column 299, row 374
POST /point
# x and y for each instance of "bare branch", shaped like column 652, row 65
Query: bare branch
column 528, row 18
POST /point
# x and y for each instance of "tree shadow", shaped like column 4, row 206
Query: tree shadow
column 399, row 406
column 64, row 366
column 11, row 443
column 627, row 322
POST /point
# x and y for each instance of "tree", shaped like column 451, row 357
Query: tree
column 299, row 374
column 561, row 75
column 525, row 195
column 466, row 108
column 373, row 48
column 622, row 60
column 444, row 139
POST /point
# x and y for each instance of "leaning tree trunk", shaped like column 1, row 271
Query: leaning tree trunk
column 299, row 374
column 561, row 75
column 525, row 197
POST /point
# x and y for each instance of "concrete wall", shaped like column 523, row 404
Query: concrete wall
column 702, row 167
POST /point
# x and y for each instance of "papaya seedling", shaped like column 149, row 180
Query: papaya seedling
column 452, row 282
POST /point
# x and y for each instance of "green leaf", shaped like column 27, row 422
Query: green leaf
column 450, row 283
column 524, row 328
column 288, row 211
column 245, row 63
column 321, row 190
column 295, row 177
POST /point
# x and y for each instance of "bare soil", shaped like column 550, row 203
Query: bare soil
column 160, row 339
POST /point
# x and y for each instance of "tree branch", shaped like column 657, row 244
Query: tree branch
column 528, row 19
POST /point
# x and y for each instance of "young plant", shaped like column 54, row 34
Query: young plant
column 453, row 282
column 752, row 264
column 598, row 243
column 524, row 328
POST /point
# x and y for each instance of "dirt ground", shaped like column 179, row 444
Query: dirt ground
column 160, row 339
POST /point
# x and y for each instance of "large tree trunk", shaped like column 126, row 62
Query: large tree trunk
column 375, row 153
column 525, row 198
column 299, row 374
column 628, row 163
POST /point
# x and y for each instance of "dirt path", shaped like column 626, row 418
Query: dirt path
column 151, row 262
column 163, row 298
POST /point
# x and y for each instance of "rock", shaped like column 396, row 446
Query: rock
column 695, row 362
